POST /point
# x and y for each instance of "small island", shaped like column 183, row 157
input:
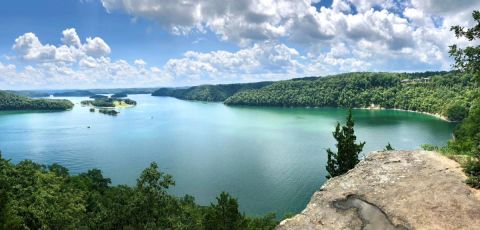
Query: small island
column 108, row 105
column 110, row 112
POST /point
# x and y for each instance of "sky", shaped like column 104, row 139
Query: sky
column 67, row 44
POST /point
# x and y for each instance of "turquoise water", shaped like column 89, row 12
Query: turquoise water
column 272, row 159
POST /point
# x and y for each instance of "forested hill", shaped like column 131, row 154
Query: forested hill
column 208, row 92
column 444, row 93
column 11, row 101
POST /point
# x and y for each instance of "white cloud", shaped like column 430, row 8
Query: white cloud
column 70, row 38
column 350, row 35
column 73, row 65
column 261, row 59
column 445, row 7
column 240, row 21
column 140, row 62
column 29, row 47
column 394, row 27
column 96, row 47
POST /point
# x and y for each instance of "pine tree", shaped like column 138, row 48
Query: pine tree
column 347, row 155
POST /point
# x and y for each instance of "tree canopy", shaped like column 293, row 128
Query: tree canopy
column 208, row 92
column 444, row 93
column 467, row 134
column 34, row 196
column 11, row 101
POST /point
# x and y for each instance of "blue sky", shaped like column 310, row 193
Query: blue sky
column 145, row 43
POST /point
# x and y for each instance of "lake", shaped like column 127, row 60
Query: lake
column 271, row 159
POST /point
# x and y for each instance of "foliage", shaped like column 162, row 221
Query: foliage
column 31, row 93
column 429, row 147
column 74, row 93
column 456, row 112
column 224, row 215
column 208, row 92
column 98, row 96
column 467, row 135
column 108, row 102
column 388, row 147
column 34, row 196
column 11, row 101
column 347, row 155
column 119, row 95
column 111, row 112
column 472, row 168
column 123, row 90
column 468, row 59
column 430, row 92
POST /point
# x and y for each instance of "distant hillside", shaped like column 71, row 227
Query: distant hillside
column 11, row 101
column 124, row 91
column 443, row 93
column 31, row 93
column 74, row 93
column 208, row 92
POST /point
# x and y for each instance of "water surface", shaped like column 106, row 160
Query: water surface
column 272, row 159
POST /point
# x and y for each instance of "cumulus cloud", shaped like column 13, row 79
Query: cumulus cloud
column 96, row 47
column 392, row 28
column 262, row 59
column 28, row 47
column 70, row 38
column 348, row 35
column 73, row 64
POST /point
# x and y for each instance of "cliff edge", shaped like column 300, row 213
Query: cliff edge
column 394, row 190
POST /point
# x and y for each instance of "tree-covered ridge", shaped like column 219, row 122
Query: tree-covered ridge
column 208, row 92
column 74, row 93
column 445, row 93
column 11, row 101
column 34, row 196
column 30, row 93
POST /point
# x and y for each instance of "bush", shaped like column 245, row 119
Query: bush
column 429, row 147
column 456, row 112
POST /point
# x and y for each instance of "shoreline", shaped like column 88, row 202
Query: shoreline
column 441, row 117
column 374, row 107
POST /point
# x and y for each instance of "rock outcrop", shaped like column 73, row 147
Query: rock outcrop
column 394, row 190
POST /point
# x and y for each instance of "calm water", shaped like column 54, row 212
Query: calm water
column 272, row 159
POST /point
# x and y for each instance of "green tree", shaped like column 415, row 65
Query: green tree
column 224, row 215
column 456, row 112
column 468, row 58
column 347, row 155
column 467, row 136
column 153, row 207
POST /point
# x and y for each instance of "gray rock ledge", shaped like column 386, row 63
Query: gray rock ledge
column 394, row 190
